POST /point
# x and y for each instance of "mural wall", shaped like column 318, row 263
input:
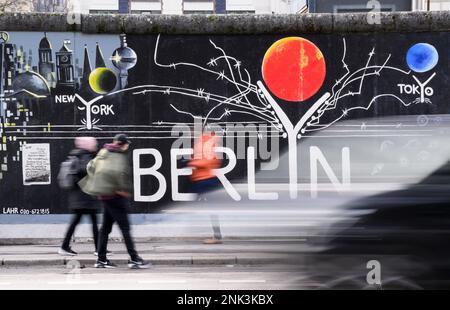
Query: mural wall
column 157, row 88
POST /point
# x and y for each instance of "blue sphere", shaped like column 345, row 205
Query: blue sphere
column 422, row 57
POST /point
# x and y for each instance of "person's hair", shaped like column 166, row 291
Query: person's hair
column 86, row 143
column 121, row 139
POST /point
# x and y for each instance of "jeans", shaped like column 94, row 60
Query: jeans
column 78, row 214
column 115, row 210
column 205, row 186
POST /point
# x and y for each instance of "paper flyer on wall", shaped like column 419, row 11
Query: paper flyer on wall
column 36, row 164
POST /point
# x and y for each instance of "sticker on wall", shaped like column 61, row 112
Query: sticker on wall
column 36, row 164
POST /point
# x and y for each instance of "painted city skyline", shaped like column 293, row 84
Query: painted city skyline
column 55, row 64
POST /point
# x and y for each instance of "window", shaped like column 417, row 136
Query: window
column 361, row 8
column 240, row 12
column 103, row 11
column 198, row 7
column 146, row 12
column 198, row 12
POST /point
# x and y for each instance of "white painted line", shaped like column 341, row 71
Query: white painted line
column 161, row 281
column 242, row 281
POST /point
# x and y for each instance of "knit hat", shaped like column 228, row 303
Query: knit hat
column 86, row 143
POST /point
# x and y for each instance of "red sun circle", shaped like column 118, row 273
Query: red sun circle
column 294, row 69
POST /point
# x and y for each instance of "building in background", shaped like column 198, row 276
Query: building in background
column 431, row 5
column 350, row 6
column 24, row 6
column 193, row 6
column 179, row 7
column 353, row 6
column 60, row 6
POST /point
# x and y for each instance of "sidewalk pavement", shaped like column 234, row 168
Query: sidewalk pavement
column 173, row 252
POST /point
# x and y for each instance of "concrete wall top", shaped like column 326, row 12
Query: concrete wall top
column 228, row 24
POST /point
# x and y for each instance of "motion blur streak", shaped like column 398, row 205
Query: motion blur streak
column 395, row 211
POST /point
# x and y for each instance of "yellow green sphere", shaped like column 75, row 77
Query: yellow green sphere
column 102, row 80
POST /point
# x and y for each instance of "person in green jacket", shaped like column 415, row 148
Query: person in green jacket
column 109, row 178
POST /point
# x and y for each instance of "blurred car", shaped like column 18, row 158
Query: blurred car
column 394, row 210
column 407, row 231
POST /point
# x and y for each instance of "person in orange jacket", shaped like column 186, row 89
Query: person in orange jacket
column 203, row 175
column 204, row 163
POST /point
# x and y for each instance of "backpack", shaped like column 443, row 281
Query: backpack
column 68, row 170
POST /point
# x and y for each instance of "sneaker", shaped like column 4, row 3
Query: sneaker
column 106, row 264
column 108, row 253
column 138, row 263
column 212, row 241
column 67, row 252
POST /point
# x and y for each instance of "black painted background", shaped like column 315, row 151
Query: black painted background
column 144, row 110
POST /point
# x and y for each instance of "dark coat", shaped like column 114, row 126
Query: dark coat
column 77, row 198
column 108, row 173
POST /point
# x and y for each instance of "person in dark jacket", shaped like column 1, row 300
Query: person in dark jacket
column 79, row 202
column 109, row 178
